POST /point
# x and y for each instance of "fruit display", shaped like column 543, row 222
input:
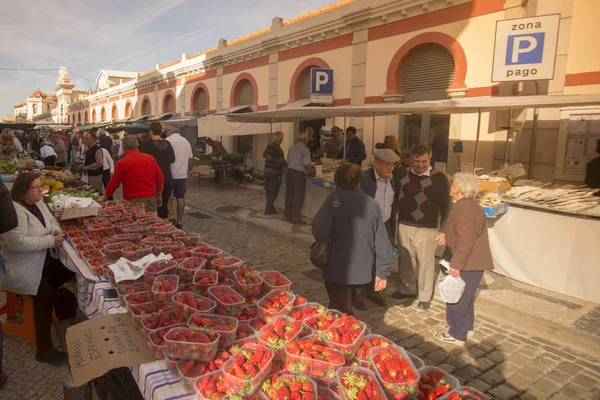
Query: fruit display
column 208, row 252
column 186, row 303
column 465, row 393
column 359, row 383
column 191, row 343
column 165, row 287
column 274, row 280
column 300, row 301
column 188, row 267
column 395, row 371
column 97, row 264
column 248, row 282
column 156, row 338
column 246, row 369
column 346, row 334
column 189, row 370
column 229, row 302
column 307, row 310
column 139, row 298
column 248, row 313
column 244, row 331
column 115, row 250
column 136, row 251
column 134, row 238
column 124, row 289
column 320, row 323
column 435, row 383
column 326, row 393
column 288, row 386
column 164, row 320
column 276, row 302
column 362, row 355
column 278, row 333
column 204, row 279
column 167, row 247
column 188, row 239
column 213, row 386
column 138, row 311
column 226, row 326
column 226, row 266
column 309, row 356
column 160, row 267
column 92, row 253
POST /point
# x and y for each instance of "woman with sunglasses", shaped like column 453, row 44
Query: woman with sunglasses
column 31, row 264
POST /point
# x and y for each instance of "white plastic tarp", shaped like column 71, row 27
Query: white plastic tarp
column 218, row 125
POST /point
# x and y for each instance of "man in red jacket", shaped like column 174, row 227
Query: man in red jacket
column 141, row 177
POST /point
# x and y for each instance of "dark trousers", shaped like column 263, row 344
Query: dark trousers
column 1, row 350
column 54, row 275
column 461, row 316
column 295, row 187
column 163, row 210
column 106, row 179
column 342, row 296
column 272, row 186
column 49, row 161
column 370, row 287
column 61, row 164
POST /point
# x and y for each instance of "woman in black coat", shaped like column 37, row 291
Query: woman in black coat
column 359, row 240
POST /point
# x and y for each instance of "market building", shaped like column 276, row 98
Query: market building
column 379, row 51
column 37, row 103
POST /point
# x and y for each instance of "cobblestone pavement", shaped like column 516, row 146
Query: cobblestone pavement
column 503, row 361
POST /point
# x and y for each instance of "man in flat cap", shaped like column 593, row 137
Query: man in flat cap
column 378, row 183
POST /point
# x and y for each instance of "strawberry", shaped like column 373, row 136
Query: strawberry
column 226, row 266
column 278, row 333
column 321, row 322
column 229, row 302
column 213, row 386
column 249, row 365
column 208, row 252
column 275, row 280
column 185, row 303
column 248, row 282
column 248, row 313
column 197, row 344
column 275, row 302
column 226, row 326
column 204, row 279
column 165, row 287
column 288, row 387
column 359, row 383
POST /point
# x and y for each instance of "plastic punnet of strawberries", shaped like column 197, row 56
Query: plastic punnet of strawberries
column 467, row 393
column 278, row 333
column 226, row 326
column 434, row 383
column 274, row 303
column 248, row 282
column 213, row 386
column 308, row 310
column 320, row 323
column 190, row 343
column 358, row 383
column 289, row 386
column 165, row 287
column 346, row 335
column 310, row 356
column 229, row 302
column 193, row 368
column 275, row 280
column 185, row 303
column 247, row 368
column 188, row 267
column 157, row 341
column 395, row 371
column 362, row 355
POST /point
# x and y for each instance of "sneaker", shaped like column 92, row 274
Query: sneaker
column 359, row 305
column 377, row 298
column 447, row 338
column 52, row 357
column 423, row 305
column 3, row 379
column 470, row 334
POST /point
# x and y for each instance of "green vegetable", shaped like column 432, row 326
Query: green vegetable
column 7, row 167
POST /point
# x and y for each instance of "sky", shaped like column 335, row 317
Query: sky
column 134, row 35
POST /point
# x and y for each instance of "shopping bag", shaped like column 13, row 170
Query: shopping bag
column 84, row 177
column 451, row 288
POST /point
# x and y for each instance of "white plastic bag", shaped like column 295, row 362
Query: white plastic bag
column 451, row 288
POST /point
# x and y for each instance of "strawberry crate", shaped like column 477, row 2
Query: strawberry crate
column 309, row 356
column 274, row 280
column 191, row 370
column 205, row 279
column 276, row 302
column 403, row 382
column 97, row 221
column 124, row 289
column 213, row 386
column 135, row 228
column 158, row 268
column 318, row 324
column 186, row 303
column 465, row 393
column 350, row 380
column 189, row 239
column 87, row 246
column 248, row 313
column 226, row 326
column 163, row 320
column 188, row 267
column 138, row 298
column 134, row 238
column 167, row 247
column 280, row 331
column 97, row 265
column 167, row 233
column 208, row 252
column 99, row 230
column 417, row 362
column 192, row 343
column 244, row 331
column 78, row 241
column 115, row 250
column 179, row 255
column 246, row 369
column 229, row 302
column 325, row 393
column 92, row 254
column 248, row 282
column 138, row 311
column 350, row 340
column 148, row 220
column 171, row 361
column 436, row 381
column 362, row 356
column 136, row 251
column 307, row 310
column 290, row 386
column 165, row 287
column 155, row 239
column 226, row 266
column 156, row 339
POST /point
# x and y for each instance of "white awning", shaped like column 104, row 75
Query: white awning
column 448, row 106
column 218, row 125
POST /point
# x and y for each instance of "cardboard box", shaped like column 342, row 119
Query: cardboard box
column 202, row 169
column 494, row 187
column 101, row 344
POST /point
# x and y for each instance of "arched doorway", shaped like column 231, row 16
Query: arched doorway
column 428, row 73
column 169, row 103
column 200, row 99
column 146, row 107
column 114, row 113
column 102, row 114
column 94, row 115
column 69, row 118
column 128, row 110
column 85, row 116
column 244, row 93
column 79, row 119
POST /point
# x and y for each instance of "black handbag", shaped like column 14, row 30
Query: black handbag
column 319, row 251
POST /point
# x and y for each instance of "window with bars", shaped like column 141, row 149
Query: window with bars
column 427, row 73
column 168, row 105
column 146, row 109
column 245, row 93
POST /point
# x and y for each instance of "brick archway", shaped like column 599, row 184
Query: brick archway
column 94, row 115
column 85, row 116
column 394, row 84
column 145, row 100
column 103, row 114
column 114, row 112
column 295, row 81
column 164, row 102
column 199, row 86
column 235, row 89
column 128, row 109
column 79, row 118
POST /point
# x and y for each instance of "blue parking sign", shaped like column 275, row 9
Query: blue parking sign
column 321, row 81
column 525, row 49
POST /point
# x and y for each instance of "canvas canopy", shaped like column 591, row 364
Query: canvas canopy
column 218, row 125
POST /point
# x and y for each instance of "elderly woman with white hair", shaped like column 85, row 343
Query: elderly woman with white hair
column 467, row 239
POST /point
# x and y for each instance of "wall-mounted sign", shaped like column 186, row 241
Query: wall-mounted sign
column 525, row 48
column 321, row 85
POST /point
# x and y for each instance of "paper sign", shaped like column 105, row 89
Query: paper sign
column 70, row 213
column 515, row 171
column 101, row 344
column 457, row 147
column 467, row 167
column 516, row 125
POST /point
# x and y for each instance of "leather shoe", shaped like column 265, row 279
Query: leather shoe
column 402, row 296
column 52, row 357
column 377, row 298
column 423, row 305
column 359, row 305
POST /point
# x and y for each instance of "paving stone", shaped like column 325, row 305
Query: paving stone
column 532, row 373
column 448, row 368
column 467, row 373
column 546, row 386
column 519, row 382
column 560, row 378
column 483, row 364
column 479, row 385
column 438, row 357
column 573, row 391
column 560, row 396
column 504, row 392
column 497, row 356
column 428, row 347
column 409, row 343
column 492, row 377
column 586, row 381
column 533, row 394
column 519, row 359
column 569, row 368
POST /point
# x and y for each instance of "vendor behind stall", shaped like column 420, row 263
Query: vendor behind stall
column 334, row 145
column 217, row 147
column 355, row 148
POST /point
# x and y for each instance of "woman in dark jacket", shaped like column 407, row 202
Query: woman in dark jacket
column 8, row 222
column 467, row 239
column 358, row 242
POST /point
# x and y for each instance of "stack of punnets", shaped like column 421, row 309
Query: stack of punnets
column 232, row 332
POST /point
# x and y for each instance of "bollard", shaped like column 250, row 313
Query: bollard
column 72, row 392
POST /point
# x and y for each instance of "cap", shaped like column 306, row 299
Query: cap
column 386, row 155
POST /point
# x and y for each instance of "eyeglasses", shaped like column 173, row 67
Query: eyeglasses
column 39, row 187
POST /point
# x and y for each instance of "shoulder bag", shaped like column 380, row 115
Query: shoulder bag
column 319, row 251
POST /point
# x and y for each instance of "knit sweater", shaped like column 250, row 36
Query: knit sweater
column 423, row 201
column 274, row 159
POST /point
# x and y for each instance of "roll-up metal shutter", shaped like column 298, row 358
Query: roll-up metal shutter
column 245, row 93
column 200, row 100
column 169, row 104
column 427, row 73
column 305, row 84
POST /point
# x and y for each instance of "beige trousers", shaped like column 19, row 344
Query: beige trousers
column 417, row 250
column 148, row 202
